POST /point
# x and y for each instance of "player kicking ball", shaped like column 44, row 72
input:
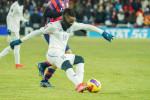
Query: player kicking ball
column 59, row 35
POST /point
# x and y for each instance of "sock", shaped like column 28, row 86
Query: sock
column 5, row 51
column 45, row 64
column 49, row 74
column 17, row 54
column 80, row 71
column 73, row 76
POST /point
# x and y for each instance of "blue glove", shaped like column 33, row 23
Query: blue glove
column 107, row 36
column 27, row 23
column 15, row 42
column 8, row 32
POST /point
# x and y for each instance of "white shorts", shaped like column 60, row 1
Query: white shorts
column 56, row 58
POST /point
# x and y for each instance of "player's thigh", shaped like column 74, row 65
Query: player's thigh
column 57, row 61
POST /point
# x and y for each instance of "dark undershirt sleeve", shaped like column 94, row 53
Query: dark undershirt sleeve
column 49, row 13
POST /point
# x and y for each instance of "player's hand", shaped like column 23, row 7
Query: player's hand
column 27, row 23
column 15, row 42
column 8, row 32
column 107, row 36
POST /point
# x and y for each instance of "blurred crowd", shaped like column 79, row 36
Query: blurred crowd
column 101, row 12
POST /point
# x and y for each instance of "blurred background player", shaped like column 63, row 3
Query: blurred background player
column 14, row 17
column 53, row 12
column 60, row 32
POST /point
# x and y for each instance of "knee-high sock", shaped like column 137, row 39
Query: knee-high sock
column 49, row 74
column 80, row 71
column 73, row 76
column 5, row 51
column 17, row 54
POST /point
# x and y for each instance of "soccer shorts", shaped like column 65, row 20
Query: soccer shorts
column 56, row 58
column 46, row 36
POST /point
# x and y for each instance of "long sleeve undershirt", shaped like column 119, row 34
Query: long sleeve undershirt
column 49, row 13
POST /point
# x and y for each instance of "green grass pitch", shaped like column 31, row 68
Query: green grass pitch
column 123, row 68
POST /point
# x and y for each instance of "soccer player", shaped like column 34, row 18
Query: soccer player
column 59, row 34
column 14, row 17
column 53, row 12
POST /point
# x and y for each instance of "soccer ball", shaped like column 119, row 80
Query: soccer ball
column 94, row 84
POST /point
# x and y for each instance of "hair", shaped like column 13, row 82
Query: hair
column 69, row 12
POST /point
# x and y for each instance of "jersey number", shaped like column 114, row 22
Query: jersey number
column 64, row 37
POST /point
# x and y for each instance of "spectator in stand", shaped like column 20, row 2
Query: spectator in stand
column 40, row 13
column 144, row 3
column 139, row 20
column 34, row 18
column 118, row 5
column 139, row 12
column 26, row 15
column 129, row 13
column 89, row 10
column 136, row 5
column 147, row 11
column 100, row 15
column 120, row 16
column 2, row 17
column 114, row 16
column 108, row 14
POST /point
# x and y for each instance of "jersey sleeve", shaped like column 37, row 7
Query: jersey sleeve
column 49, row 28
column 52, row 4
column 80, row 26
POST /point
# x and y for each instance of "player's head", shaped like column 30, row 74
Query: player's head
column 21, row 2
column 68, row 18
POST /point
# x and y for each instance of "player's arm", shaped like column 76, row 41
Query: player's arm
column 47, row 29
column 81, row 26
column 49, row 13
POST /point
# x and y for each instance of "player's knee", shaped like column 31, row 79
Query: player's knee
column 66, row 65
column 78, row 59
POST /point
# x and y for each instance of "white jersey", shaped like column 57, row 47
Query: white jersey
column 59, row 37
column 58, row 40
column 14, row 17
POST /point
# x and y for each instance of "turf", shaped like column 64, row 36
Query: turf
column 123, row 68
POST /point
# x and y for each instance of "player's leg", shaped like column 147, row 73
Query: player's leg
column 48, row 75
column 67, row 67
column 5, row 51
column 79, row 61
column 42, row 66
column 17, row 52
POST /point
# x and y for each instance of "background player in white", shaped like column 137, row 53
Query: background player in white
column 14, row 17
column 59, row 34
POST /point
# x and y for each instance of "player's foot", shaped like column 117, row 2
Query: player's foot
column 82, row 87
column 45, row 84
column 19, row 66
column 41, row 70
column 77, row 87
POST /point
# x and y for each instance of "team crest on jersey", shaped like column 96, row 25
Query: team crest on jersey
column 12, row 10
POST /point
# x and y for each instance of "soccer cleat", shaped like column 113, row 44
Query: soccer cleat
column 77, row 87
column 82, row 87
column 19, row 66
column 45, row 84
column 41, row 70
